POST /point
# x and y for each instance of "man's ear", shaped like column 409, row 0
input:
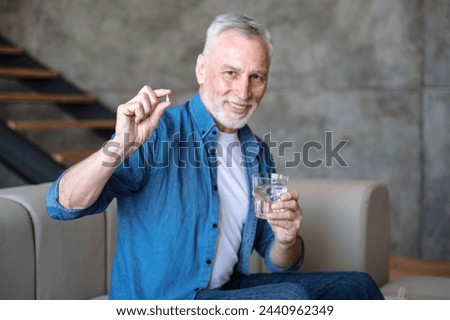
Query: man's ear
column 200, row 69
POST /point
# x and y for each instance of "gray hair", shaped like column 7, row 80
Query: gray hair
column 241, row 23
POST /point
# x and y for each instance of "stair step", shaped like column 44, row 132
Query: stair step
column 71, row 157
column 10, row 50
column 23, row 125
column 49, row 98
column 28, row 73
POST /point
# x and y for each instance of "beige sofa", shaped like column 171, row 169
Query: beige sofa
column 346, row 227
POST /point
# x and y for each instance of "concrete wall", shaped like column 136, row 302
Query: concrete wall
column 374, row 73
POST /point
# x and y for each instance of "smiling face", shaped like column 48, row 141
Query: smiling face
column 233, row 76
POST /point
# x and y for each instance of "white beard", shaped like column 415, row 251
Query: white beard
column 227, row 119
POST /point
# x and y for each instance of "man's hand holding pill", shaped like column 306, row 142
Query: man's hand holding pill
column 137, row 118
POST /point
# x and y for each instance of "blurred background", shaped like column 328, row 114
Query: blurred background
column 375, row 73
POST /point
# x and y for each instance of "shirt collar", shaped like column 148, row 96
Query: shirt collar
column 203, row 120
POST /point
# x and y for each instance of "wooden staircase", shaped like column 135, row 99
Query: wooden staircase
column 44, row 87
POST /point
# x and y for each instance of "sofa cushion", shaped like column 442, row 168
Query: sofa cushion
column 418, row 288
column 345, row 226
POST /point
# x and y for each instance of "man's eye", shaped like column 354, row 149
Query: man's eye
column 230, row 73
column 256, row 77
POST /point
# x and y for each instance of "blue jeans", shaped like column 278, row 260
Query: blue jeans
column 296, row 286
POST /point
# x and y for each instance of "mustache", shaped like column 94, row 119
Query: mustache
column 239, row 101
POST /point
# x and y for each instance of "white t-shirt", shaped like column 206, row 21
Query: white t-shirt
column 233, row 193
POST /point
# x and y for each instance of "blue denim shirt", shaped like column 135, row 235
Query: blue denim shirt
column 168, row 208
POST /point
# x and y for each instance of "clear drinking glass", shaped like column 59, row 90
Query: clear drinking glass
column 267, row 188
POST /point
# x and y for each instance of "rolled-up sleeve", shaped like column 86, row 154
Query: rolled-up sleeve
column 57, row 211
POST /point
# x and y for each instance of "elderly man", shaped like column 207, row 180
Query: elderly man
column 186, row 222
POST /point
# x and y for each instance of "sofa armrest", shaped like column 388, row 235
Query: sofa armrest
column 345, row 226
column 17, row 261
column 69, row 257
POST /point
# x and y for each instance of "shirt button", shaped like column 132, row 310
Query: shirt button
column 214, row 132
column 214, row 225
column 215, row 188
column 208, row 261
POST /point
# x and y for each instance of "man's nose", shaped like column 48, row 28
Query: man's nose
column 242, row 88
